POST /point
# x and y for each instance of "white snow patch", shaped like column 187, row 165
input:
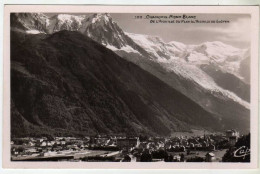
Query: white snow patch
column 194, row 73
column 33, row 32
column 197, row 58
column 152, row 44
column 126, row 48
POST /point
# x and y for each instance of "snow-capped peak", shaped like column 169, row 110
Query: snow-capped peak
column 226, row 57
column 178, row 45
column 101, row 17
column 185, row 60
column 70, row 18
column 104, row 30
column 154, row 45
column 31, row 23
column 217, row 50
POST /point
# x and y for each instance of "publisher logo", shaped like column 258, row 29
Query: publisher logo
column 242, row 152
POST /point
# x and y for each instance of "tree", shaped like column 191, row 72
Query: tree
column 20, row 149
column 127, row 158
column 195, row 159
column 168, row 158
column 240, row 152
column 49, row 137
column 182, row 157
column 161, row 154
column 146, row 157
column 143, row 138
column 188, row 151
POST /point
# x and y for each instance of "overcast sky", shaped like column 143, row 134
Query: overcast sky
column 235, row 33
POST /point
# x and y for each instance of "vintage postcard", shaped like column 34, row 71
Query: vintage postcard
column 130, row 86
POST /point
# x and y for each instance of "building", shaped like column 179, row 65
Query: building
column 231, row 133
column 211, row 147
column 233, row 140
column 127, row 142
column 177, row 158
column 210, row 157
column 232, row 136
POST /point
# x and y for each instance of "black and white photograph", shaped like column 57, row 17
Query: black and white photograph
column 131, row 87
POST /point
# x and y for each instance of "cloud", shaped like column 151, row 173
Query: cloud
column 236, row 31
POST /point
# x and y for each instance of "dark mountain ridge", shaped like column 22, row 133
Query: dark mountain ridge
column 67, row 83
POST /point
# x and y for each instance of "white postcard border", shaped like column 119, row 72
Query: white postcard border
column 252, row 10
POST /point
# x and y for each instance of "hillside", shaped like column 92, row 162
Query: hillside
column 66, row 83
column 214, row 75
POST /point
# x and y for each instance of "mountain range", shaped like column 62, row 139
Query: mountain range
column 212, row 76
